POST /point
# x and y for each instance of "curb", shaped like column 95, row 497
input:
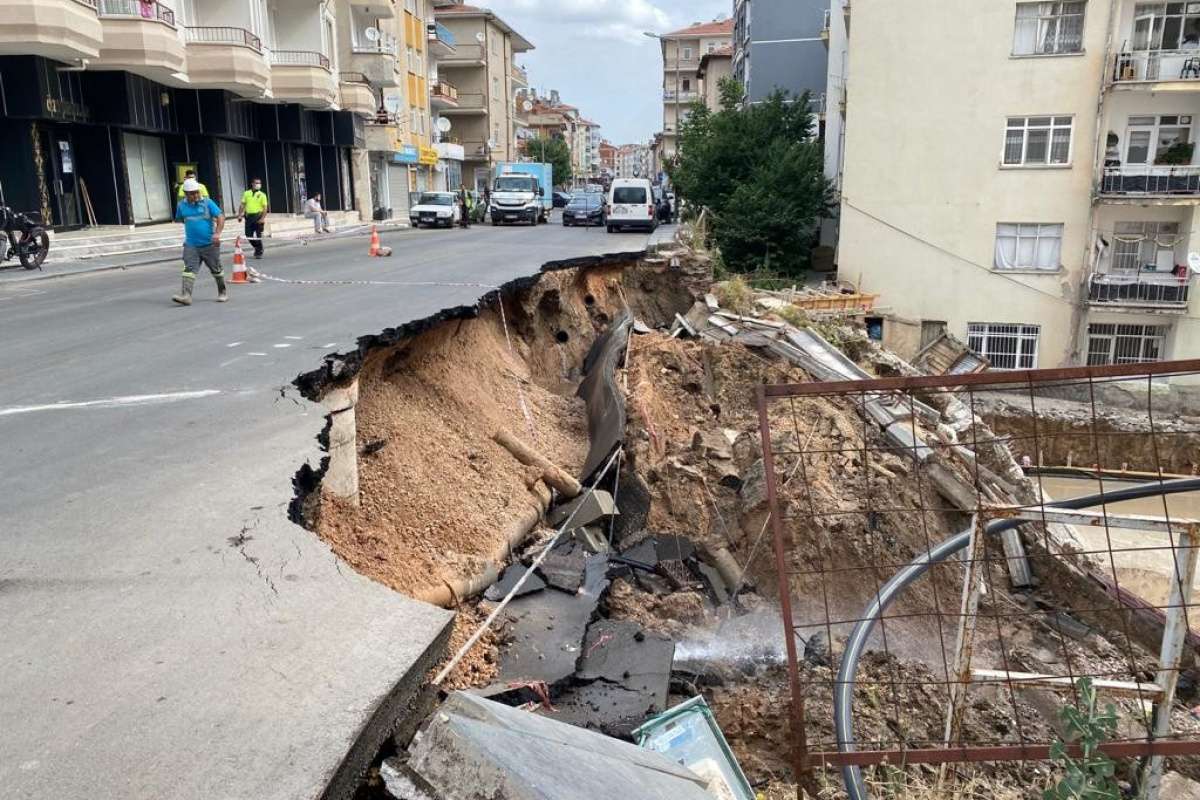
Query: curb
column 38, row 275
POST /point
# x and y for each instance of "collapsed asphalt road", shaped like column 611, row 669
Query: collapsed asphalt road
column 167, row 632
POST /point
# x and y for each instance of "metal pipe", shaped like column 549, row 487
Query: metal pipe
column 843, row 716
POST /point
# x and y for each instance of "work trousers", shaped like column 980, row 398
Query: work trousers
column 209, row 255
column 254, row 232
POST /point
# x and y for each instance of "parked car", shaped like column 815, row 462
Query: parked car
column 631, row 205
column 561, row 199
column 439, row 209
column 584, row 209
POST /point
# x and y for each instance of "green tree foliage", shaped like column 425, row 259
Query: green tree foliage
column 1092, row 775
column 552, row 150
column 760, row 171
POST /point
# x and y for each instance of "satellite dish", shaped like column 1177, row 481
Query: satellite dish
column 391, row 102
column 443, row 124
column 1194, row 261
column 372, row 34
column 479, row 37
column 528, row 106
column 491, row 143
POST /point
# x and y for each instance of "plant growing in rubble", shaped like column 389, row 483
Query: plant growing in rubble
column 1091, row 776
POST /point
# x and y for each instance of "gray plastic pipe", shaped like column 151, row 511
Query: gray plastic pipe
column 843, row 712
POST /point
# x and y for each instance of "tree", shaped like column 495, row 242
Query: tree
column 760, row 172
column 554, row 151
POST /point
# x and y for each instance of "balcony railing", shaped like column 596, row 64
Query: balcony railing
column 222, row 35
column 386, row 44
column 299, row 58
column 136, row 8
column 1143, row 289
column 683, row 97
column 520, row 75
column 353, row 77
column 1151, row 180
column 470, row 100
column 437, row 32
column 466, row 52
column 1157, row 65
column 444, row 91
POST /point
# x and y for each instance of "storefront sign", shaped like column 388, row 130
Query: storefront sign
column 407, row 154
column 429, row 155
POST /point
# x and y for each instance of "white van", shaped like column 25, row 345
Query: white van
column 631, row 205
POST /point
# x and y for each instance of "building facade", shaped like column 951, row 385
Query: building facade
column 714, row 68
column 107, row 102
column 633, row 161
column 681, row 54
column 778, row 44
column 487, row 83
column 1057, row 225
column 608, row 158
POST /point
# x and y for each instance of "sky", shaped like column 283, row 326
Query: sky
column 594, row 53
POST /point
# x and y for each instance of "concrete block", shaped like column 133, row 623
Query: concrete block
column 592, row 506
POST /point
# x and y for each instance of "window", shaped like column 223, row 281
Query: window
column 687, row 54
column 1144, row 245
column 687, row 85
column 629, row 195
column 1148, row 138
column 1028, row 245
column 1125, row 344
column 1005, row 345
column 1166, row 26
column 1033, row 141
column 1048, row 28
column 496, row 87
column 710, row 47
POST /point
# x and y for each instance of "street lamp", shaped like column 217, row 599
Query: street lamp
column 659, row 37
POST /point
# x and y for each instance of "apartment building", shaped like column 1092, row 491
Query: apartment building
column 1057, row 223
column 632, row 161
column 107, row 102
column 608, row 158
column 778, row 44
column 714, row 68
column 487, row 82
column 588, row 148
column 681, row 54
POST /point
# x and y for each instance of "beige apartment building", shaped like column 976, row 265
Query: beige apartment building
column 1024, row 177
column 681, row 54
column 487, row 81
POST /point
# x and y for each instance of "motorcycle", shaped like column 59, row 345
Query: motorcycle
column 27, row 239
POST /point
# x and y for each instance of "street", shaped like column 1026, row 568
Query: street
column 167, row 632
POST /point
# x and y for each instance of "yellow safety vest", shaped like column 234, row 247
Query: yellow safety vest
column 254, row 201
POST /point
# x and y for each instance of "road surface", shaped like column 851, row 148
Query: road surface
column 165, row 631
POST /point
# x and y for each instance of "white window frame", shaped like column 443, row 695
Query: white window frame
column 1055, row 124
column 1151, row 234
column 999, row 342
column 1024, row 231
column 1105, row 340
column 1135, row 124
column 1155, row 24
column 1051, row 15
column 685, row 53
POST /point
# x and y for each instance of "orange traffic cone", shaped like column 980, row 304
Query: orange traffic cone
column 239, row 263
column 375, row 247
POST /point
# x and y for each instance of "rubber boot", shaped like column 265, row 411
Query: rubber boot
column 222, row 295
column 184, row 298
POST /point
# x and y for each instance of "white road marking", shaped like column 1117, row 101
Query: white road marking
column 285, row 344
column 297, row 338
column 112, row 402
column 330, row 344
column 233, row 344
column 256, row 354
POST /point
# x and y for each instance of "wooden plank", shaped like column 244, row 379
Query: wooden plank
column 1039, row 680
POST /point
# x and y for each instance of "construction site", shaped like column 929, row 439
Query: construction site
column 704, row 540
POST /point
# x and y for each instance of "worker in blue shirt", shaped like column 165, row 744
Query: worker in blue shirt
column 202, row 225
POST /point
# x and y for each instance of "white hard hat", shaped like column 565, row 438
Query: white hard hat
column 191, row 185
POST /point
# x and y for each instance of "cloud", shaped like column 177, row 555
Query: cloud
column 623, row 20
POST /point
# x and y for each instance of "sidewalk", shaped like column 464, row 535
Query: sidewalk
column 168, row 253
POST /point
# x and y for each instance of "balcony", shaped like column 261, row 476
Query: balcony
column 65, row 30
column 375, row 8
column 1150, row 68
column 450, row 151
column 357, row 97
column 683, row 64
column 825, row 25
column 227, row 58
column 382, row 138
column 303, row 77
column 441, row 40
column 465, row 55
column 1139, row 291
column 682, row 97
column 475, row 150
column 1141, row 181
column 376, row 59
column 442, row 95
column 468, row 104
column 141, row 37
column 520, row 77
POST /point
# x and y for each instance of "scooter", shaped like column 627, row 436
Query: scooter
column 27, row 239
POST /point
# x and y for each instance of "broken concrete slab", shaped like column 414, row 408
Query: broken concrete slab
column 587, row 508
column 562, row 568
column 669, row 546
column 592, row 538
column 508, row 579
column 475, row 748
column 548, row 629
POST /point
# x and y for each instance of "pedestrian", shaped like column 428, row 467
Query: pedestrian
column 254, row 209
column 464, row 211
column 202, row 225
column 318, row 215
column 190, row 175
